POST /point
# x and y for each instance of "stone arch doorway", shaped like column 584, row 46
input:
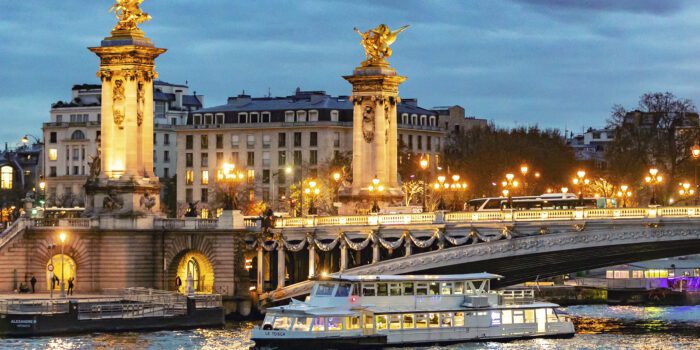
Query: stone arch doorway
column 197, row 265
column 67, row 264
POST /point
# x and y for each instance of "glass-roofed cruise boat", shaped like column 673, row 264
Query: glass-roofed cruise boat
column 383, row 310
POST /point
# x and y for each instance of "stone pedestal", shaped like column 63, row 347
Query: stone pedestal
column 136, row 197
column 231, row 219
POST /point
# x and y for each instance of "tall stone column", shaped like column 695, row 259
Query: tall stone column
column 343, row 255
column 281, row 265
column 124, row 182
column 375, row 252
column 312, row 260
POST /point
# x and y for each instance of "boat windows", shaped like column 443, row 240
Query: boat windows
column 269, row 318
column 496, row 318
column 394, row 289
column 551, row 316
column 381, row 322
column 434, row 320
column 395, row 321
column 334, row 323
column 369, row 289
column 518, row 316
column 446, row 288
column 325, row 289
column 343, row 290
column 433, row 288
column 529, row 316
column 507, row 316
column 302, row 324
column 318, row 324
column 369, row 322
column 355, row 289
column 408, row 288
column 421, row 289
column 282, row 323
column 408, row 320
column 382, row 290
column 459, row 288
column 352, row 322
column 446, row 319
column 459, row 319
column 421, row 320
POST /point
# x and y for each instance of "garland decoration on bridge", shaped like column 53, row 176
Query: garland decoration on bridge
column 294, row 247
column 425, row 243
column 456, row 240
column 326, row 247
column 357, row 246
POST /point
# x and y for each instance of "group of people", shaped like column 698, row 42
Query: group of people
column 55, row 283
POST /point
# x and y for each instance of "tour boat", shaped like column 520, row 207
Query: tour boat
column 394, row 310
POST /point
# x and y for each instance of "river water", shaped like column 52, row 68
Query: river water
column 597, row 326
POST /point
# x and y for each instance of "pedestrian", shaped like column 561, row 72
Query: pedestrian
column 70, row 285
column 178, row 283
column 56, row 282
column 33, row 282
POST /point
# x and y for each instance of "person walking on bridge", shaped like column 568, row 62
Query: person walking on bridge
column 33, row 282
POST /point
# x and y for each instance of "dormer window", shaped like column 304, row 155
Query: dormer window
column 301, row 116
column 266, row 118
column 197, row 119
column 433, row 121
column 404, row 118
column 242, row 118
column 423, row 120
column 254, row 117
column 219, row 118
column 414, row 119
column 313, row 116
column 208, row 119
column 289, row 116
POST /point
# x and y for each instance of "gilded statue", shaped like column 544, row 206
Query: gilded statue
column 368, row 123
column 129, row 14
column 118, row 103
column 377, row 42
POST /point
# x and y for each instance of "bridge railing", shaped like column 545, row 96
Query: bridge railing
column 491, row 216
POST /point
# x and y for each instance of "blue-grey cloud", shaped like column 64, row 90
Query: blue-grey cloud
column 556, row 63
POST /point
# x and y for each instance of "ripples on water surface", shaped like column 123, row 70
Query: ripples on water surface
column 598, row 327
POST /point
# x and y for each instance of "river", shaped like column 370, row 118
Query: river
column 598, row 327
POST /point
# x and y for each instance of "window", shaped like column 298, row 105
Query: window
column 297, row 139
column 166, row 172
column 446, row 319
column 250, row 141
column 368, row 289
column 219, row 159
column 446, row 288
column 235, row 140
column 251, row 179
column 53, row 137
column 267, row 140
column 205, row 177
column 282, row 140
column 404, row 118
column 234, row 158
column 423, row 120
column 459, row 319
column 343, row 290
column 53, row 172
column 420, row 142
column 219, row 118
column 318, row 324
column 408, row 321
column 313, row 157
column 421, row 320
column 334, row 116
column 205, row 195
column 301, row 116
column 414, row 119
column 242, row 118
column 336, row 139
column 53, row 154
column 59, row 118
column 421, row 288
column 433, row 288
column 166, row 156
column 189, row 160
column 429, row 143
column 266, row 176
column 313, row 116
column 410, row 142
column 188, row 141
column 265, row 117
column 189, row 177
column 297, row 158
column 266, row 158
column 325, row 289
column 394, row 289
column 166, row 139
column 408, row 288
column 289, row 117
column 219, row 141
column 254, row 117
column 382, row 290
column 251, row 159
column 204, row 159
column 433, row 320
column 302, row 324
column 381, row 322
column 77, row 135
column 313, row 139
column 188, row 195
column 155, row 139
column 352, row 322
column 204, row 141
column 6, row 174
column 207, row 119
column 282, row 158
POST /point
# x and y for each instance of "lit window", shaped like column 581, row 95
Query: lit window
column 189, row 177
column 53, row 154
column 6, row 178
column 251, row 176
column 205, row 177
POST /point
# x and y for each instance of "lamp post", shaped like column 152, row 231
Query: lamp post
column 510, row 184
column 439, row 186
column 581, row 181
column 695, row 152
column 337, row 178
column 62, row 237
column 312, row 191
column 230, row 177
column 424, row 167
column 524, row 169
column 42, row 189
column 653, row 179
column 624, row 194
column 375, row 190
column 685, row 190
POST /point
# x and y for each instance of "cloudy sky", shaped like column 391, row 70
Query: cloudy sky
column 554, row 63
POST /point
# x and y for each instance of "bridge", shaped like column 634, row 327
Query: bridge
column 520, row 245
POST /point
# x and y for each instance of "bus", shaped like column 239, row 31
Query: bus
column 548, row 201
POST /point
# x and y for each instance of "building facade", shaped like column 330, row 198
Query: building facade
column 591, row 146
column 262, row 136
column 72, row 138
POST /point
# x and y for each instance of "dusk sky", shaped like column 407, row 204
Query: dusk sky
column 554, row 63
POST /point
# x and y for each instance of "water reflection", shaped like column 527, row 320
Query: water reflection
column 598, row 327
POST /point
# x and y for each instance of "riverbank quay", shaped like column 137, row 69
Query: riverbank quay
column 134, row 309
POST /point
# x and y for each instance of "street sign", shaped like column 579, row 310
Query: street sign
column 51, row 268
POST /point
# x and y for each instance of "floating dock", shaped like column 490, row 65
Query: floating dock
column 136, row 309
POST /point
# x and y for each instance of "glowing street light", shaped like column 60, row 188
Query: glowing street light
column 653, row 179
column 62, row 237
column 375, row 190
column 624, row 194
column 424, row 163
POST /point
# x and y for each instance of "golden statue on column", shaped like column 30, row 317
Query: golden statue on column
column 375, row 140
column 126, row 184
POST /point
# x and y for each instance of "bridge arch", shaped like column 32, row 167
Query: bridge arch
column 191, row 263
column 76, row 255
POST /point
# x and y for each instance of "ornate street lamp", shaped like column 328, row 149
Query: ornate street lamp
column 510, row 184
column 62, row 237
column 685, row 190
column 375, row 190
column 653, row 180
column 440, row 186
column 231, row 178
column 695, row 152
column 624, row 194
column 424, row 167
column 312, row 191
column 581, row 181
